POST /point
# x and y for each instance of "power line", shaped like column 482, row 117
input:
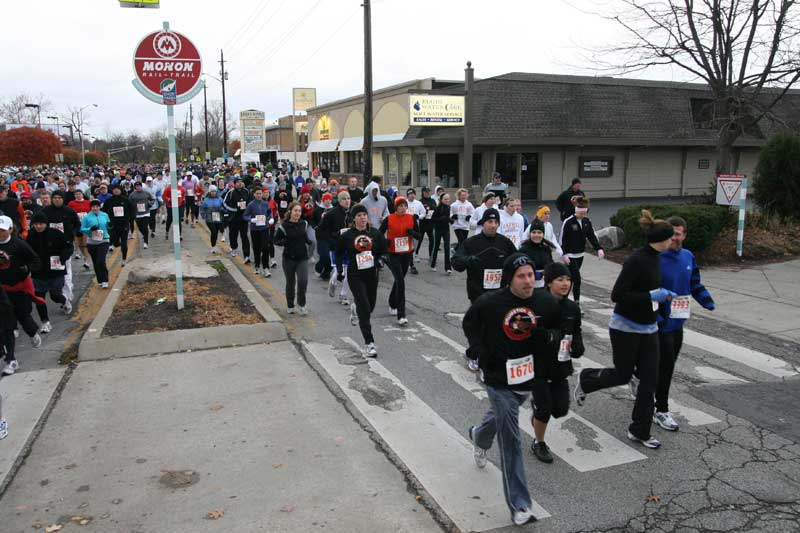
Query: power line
column 248, row 22
column 270, row 18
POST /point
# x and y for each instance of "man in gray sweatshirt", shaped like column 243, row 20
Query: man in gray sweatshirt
column 141, row 201
column 377, row 206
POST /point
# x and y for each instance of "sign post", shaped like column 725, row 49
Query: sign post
column 740, row 231
column 168, row 67
column 730, row 189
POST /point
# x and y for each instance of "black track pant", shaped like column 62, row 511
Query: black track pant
column 575, row 264
column 550, row 398
column 98, row 252
column 152, row 220
column 239, row 227
column 169, row 220
column 631, row 351
column 669, row 346
column 365, row 292
column 261, row 241
column 398, row 264
column 8, row 344
column 441, row 233
column 461, row 235
column 426, row 228
column 215, row 228
column 23, row 305
column 141, row 223
column 119, row 237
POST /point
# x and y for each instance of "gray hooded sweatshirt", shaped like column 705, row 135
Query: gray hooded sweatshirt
column 377, row 208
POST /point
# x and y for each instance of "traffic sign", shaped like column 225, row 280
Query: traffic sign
column 728, row 188
column 167, row 67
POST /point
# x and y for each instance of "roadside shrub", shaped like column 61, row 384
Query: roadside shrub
column 777, row 181
column 704, row 222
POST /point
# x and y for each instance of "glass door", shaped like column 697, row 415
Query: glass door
column 529, row 177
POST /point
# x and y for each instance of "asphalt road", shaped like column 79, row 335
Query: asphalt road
column 728, row 468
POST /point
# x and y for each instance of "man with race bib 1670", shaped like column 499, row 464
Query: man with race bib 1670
column 506, row 330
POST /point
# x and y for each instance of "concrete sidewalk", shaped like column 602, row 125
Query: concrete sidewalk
column 765, row 299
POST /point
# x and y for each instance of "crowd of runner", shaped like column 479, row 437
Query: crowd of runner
column 522, row 328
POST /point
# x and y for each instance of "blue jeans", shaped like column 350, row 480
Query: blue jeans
column 502, row 420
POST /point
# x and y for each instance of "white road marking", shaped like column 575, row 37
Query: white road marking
column 444, row 338
column 739, row 354
column 471, row 497
column 459, row 316
column 713, row 374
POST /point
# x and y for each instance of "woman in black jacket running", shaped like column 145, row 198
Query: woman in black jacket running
column 294, row 235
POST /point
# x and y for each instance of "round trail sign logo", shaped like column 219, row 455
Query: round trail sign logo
column 166, row 59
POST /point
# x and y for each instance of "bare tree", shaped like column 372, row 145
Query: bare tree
column 14, row 111
column 746, row 51
column 215, row 127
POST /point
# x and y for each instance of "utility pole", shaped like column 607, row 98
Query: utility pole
column 191, row 132
column 205, row 112
column 223, row 76
column 183, row 144
column 466, row 179
column 367, row 92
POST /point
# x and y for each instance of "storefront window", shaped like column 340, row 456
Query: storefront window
column 391, row 169
column 331, row 159
column 476, row 169
column 355, row 162
column 405, row 165
column 422, row 171
column 447, row 169
column 507, row 167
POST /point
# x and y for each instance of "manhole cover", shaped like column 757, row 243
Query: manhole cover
column 176, row 479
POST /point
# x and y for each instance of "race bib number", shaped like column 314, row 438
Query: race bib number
column 655, row 306
column 98, row 235
column 215, row 216
column 429, row 215
column 681, row 307
column 190, row 192
column 261, row 220
column 57, row 225
column 81, row 215
column 140, row 207
column 55, row 263
column 564, row 350
column 492, row 277
column 515, row 239
column 284, row 204
column 119, row 211
column 401, row 244
column 341, row 231
column 242, row 204
column 364, row 260
column 519, row 370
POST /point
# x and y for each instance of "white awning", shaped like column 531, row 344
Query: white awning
column 323, row 146
column 388, row 137
column 351, row 144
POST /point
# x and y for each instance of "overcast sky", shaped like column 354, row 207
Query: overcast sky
column 79, row 52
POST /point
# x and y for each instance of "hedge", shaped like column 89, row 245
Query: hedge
column 704, row 222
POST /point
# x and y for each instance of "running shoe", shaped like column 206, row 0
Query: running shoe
column 332, row 287
column 523, row 516
column 290, row 310
column 578, row 393
column 542, row 452
column 3, row 429
column 449, row 272
column 166, row 237
column 303, row 311
column 222, row 238
column 36, row 340
column 433, row 269
column 213, row 251
column 10, row 368
column 371, row 351
column 633, row 385
column 67, row 307
column 666, row 421
column 145, row 246
column 104, row 285
column 353, row 315
column 233, row 253
column 77, row 257
column 273, row 264
column 130, row 236
column 652, row 443
column 123, row 262
column 111, row 248
column 472, row 364
column 246, row 260
column 402, row 321
column 344, row 301
column 16, row 334
column 47, row 327
column 266, row 273
column 152, row 233
column 393, row 311
column 477, row 452
column 414, row 270
column 86, row 266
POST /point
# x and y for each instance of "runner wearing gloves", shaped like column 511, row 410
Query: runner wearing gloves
column 441, row 232
column 296, row 237
column 95, row 226
column 550, row 385
column 333, row 224
column 543, row 214
column 575, row 231
column 633, row 329
column 323, row 266
column 235, row 203
column 415, row 207
column 154, row 193
column 166, row 195
column 463, row 211
column 54, row 253
column 426, row 222
column 679, row 274
column 364, row 247
column 400, row 229
column 283, row 198
column 212, row 211
column 539, row 249
column 64, row 219
column 141, row 202
column 81, row 207
column 507, row 330
column 261, row 217
column 119, row 211
column 489, row 201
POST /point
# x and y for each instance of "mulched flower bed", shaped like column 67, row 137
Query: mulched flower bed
column 209, row 302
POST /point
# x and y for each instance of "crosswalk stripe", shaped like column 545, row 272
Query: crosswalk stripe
column 447, row 471
column 574, row 439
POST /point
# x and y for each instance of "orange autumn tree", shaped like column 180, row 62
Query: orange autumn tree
column 28, row 146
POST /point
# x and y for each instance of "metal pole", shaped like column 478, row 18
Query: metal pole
column 224, row 108
column 191, row 132
column 205, row 112
column 173, row 185
column 294, row 131
column 466, row 179
column 742, row 209
column 367, row 92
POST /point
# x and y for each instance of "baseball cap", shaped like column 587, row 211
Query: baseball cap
column 6, row 223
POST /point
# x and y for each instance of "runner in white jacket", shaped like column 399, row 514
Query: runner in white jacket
column 461, row 212
column 512, row 225
column 489, row 202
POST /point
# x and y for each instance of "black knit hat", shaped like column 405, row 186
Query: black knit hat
column 39, row 218
column 57, row 192
column 511, row 264
column 489, row 214
column 356, row 209
column 536, row 225
column 555, row 271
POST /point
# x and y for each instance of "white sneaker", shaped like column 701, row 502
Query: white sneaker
column 433, row 269
column 145, row 246
column 290, row 310
column 123, row 262
column 266, row 273
column 77, row 257
column 47, row 327
column 111, row 248
column 371, row 351
column 104, row 285
column 130, row 236
column 666, row 421
column 222, row 238
column 633, row 385
column 523, row 516
column 402, row 321
column 213, row 251
column 247, row 260
column 393, row 311
column 36, row 340
column 67, row 307
column 10, row 368
column 343, row 300
column 449, row 272
column 303, row 311
column 477, row 452
column 652, row 443
column 353, row 315
column 233, row 253
column 3, row 429
column 472, row 364
column 16, row 334
column 273, row 264
column 332, row 286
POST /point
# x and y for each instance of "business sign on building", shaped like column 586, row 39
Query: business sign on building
column 595, row 167
column 301, row 127
column 324, row 128
column 304, row 98
column 254, row 136
column 139, row 3
column 435, row 110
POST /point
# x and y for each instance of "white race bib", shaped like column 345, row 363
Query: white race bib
column 55, row 263
column 365, row 260
column 57, row 225
column 519, row 370
column 242, row 204
column 119, row 211
column 81, row 215
column 190, row 192
column 515, row 239
column 492, row 277
column 429, row 215
column 655, row 306
column 215, row 216
column 681, row 307
column 98, row 235
column 261, row 220
column 564, row 350
column 140, row 207
column 401, row 244
column 284, row 204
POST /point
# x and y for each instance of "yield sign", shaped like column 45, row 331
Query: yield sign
column 729, row 187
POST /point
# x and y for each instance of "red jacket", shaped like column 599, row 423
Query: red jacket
column 166, row 195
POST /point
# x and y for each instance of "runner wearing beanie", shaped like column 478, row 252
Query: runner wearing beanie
column 550, row 385
column 489, row 201
column 506, row 330
column 119, row 212
column 95, row 226
column 333, row 225
column 543, row 214
column 400, row 228
column 633, row 329
column 64, row 219
column 54, row 253
column 261, row 218
column 539, row 249
column 212, row 211
column 235, row 203
column 364, row 247
column 81, row 207
column 141, row 202
column 575, row 231
column 426, row 222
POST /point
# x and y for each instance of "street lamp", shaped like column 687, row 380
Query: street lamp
column 80, row 131
column 38, row 112
column 56, row 124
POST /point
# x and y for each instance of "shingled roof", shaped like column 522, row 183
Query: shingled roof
column 551, row 109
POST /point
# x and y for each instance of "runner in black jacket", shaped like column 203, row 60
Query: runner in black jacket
column 235, row 203
column 575, row 231
column 334, row 223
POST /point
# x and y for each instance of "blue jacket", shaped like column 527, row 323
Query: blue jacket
column 212, row 205
column 679, row 274
column 100, row 220
column 257, row 207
